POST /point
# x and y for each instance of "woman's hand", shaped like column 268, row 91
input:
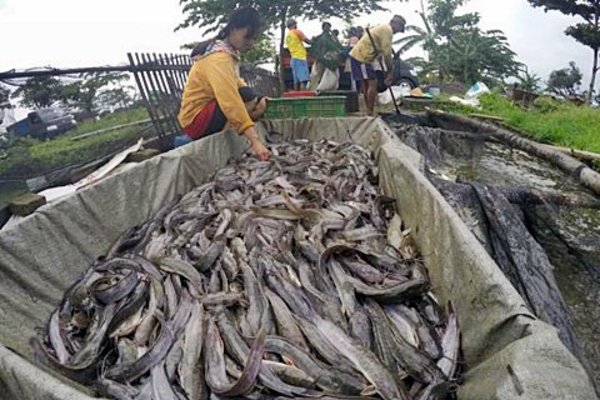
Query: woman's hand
column 259, row 148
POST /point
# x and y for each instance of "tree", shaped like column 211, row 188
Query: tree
column 263, row 51
column 475, row 55
column 425, row 37
column 440, row 23
column 471, row 55
column 38, row 92
column 529, row 82
column 457, row 48
column 210, row 14
column 564, row 81
column 586, row 33
column 119, row 96
column 84, row 94
column 445, row 22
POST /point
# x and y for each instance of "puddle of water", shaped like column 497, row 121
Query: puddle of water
column 501, row 166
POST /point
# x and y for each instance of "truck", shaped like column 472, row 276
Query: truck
column 45, row 123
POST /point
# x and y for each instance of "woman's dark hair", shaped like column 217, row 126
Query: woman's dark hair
column 201, row 47
column 244, row 17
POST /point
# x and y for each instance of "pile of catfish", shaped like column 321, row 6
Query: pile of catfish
column 278, row 279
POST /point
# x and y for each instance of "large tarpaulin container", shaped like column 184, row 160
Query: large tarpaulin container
column 44, row 253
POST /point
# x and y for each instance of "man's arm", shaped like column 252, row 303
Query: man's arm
column 303, row 37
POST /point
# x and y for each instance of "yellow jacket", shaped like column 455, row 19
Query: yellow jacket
column 382, row 36
column 215, row 76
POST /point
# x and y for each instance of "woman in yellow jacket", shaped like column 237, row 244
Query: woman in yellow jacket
column 214, row 93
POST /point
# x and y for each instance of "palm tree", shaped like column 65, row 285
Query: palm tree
column 530, row 82
column 425, row 37
column 455, row 46
column 474, row 54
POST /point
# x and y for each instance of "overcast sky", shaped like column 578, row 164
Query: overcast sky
column 76, row 33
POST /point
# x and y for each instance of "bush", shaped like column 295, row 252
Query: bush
column 546, row 104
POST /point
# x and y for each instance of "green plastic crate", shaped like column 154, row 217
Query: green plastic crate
column 300, row 107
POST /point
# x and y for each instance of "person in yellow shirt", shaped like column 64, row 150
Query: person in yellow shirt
column 214, row 94
column 373, row 50
column 295, row 40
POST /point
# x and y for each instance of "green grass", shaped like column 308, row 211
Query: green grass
column 117, row 118
column 27, row 157
column 549, row 121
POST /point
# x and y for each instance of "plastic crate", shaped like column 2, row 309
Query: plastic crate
column 301, row 107
column 351, row 96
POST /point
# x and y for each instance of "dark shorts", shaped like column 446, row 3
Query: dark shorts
column 212, row 119
column 360, row 71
